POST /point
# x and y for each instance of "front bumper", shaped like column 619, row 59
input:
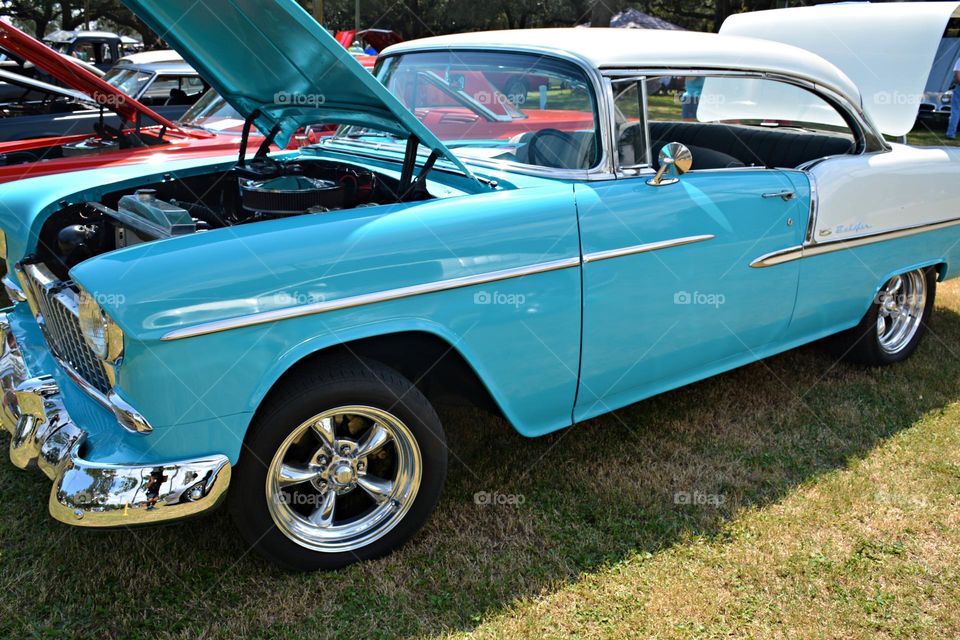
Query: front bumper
column 86, row 493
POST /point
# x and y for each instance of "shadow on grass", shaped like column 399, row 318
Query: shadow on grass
column 652, row 475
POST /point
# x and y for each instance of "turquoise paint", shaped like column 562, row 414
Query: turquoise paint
column 660, row 319
column 201, row 393
column 273, row 61
column 528, row 329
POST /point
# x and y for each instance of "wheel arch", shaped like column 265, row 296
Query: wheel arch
column 939, row 264
column 430, row 358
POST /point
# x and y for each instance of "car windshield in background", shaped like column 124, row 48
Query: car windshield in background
column 512, row 107
column 212, row 113
column 129, row 81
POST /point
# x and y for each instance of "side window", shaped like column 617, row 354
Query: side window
column 86, row 51
column 159, row 90
column 729, row 122
column 631, row 138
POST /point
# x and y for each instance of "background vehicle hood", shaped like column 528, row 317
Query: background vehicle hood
column 32, row 84
column 75, row 76
column 886, row 49
column 271, row 60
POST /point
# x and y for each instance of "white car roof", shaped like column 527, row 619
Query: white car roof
column 637, row 48
column 151, row 57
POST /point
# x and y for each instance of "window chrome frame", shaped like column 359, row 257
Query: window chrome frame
column 603, row 170
column 866, row 137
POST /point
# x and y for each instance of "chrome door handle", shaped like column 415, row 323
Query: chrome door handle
column 786, row 195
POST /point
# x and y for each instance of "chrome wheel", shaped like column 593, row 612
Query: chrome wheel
column 901, row 306
column 344, row 478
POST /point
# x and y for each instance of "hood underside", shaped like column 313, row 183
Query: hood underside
column 273, row 63
column 886, row 49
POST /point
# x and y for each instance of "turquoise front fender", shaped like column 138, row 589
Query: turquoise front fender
column 509, row 331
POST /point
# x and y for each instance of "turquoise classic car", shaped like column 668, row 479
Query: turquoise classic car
column 273, row 331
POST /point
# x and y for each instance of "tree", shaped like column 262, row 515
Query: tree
column 35, row 15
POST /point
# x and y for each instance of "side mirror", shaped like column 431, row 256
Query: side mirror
column 676, row 158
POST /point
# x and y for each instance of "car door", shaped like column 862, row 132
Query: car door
column 669, row 293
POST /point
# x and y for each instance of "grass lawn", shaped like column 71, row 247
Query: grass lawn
column 794, row 498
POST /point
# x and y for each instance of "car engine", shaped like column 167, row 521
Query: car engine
column 262, row 190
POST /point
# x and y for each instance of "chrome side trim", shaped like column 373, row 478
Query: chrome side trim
column 597, row 256
column 850, row 243
column 778, row 257
column 128, row 417
column 810, row 250
column 369, row 298
column 814, row 207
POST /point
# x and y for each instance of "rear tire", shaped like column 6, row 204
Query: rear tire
column 344, row 462
column 892, row 328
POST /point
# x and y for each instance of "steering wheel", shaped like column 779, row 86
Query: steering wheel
column 551, row 157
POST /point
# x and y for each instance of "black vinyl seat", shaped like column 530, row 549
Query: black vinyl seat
column 740, row 145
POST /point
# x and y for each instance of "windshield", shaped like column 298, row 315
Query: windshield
column 515, row 107
column 211, row 112
column 129, row 81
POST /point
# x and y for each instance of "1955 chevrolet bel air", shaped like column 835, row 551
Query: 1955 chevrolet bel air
column 279, row 325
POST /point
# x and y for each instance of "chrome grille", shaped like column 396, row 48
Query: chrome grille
column 59, row 317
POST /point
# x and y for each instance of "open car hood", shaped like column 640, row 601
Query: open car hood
column 32, row 84
column 886, row 49
column 75, row 76
column 272, row 62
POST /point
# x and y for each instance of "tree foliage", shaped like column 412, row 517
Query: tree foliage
column 412, row 18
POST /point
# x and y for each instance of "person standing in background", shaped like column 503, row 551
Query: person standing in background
column 954, row 104
column 690, row 98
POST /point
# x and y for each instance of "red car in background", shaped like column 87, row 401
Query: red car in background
column 370, row 41
column 448, row 100
column 145, row 136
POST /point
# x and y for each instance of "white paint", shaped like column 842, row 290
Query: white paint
column 862, row 195
column 641, row 48
column 886, row 49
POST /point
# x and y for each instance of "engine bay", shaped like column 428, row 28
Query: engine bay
column 263, row 189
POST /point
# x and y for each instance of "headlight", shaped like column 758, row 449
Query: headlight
column 102, row 335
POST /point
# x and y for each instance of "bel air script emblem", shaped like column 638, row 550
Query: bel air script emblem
column 846, row 229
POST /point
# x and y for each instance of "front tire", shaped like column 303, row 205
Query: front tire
column 344, row 463
column 892, row 328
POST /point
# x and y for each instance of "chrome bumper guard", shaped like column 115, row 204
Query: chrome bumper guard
column 91, row 494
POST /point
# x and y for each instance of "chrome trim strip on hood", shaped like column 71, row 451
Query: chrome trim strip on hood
column 370, row 298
